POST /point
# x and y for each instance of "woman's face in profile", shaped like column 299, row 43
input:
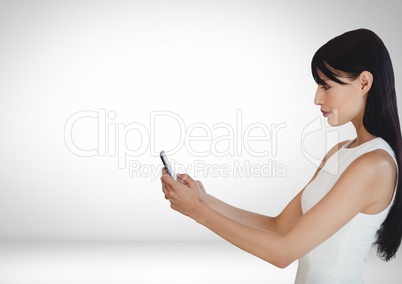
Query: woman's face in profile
column 340, row 103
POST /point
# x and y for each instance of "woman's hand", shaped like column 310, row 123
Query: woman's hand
column 185, row 195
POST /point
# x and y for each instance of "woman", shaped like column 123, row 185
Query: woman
column 331, row 224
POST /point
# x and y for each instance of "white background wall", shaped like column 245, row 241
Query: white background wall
column 203, row 62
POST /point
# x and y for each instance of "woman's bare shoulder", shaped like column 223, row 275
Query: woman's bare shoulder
column 333, row 150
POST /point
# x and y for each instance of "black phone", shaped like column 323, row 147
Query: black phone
column 167, row 165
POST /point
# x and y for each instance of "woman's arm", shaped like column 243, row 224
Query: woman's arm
column 359, row 187
column 279, row 224
column 242, row 216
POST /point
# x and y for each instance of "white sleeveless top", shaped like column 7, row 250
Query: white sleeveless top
column 341, row 258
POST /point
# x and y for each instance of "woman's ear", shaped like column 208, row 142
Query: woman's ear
column 366, row 81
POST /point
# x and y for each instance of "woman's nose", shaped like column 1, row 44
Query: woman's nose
column 319, row 97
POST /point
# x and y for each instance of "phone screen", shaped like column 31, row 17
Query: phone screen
column 167, row 165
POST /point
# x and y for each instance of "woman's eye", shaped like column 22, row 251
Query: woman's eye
column 325, row 87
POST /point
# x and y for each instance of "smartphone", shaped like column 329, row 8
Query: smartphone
column 167, row 165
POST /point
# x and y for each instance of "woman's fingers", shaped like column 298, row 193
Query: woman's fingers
column 187, row 180
column 200, row 185
column 164, row 188
column 165, row 191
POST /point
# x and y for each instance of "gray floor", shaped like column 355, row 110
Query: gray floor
column 152, row 262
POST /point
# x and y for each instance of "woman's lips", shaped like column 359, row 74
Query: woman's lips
column 326, row 113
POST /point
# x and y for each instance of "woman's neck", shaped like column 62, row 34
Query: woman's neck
column 363, row 135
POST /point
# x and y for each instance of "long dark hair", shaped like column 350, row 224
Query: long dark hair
column 348, row 55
